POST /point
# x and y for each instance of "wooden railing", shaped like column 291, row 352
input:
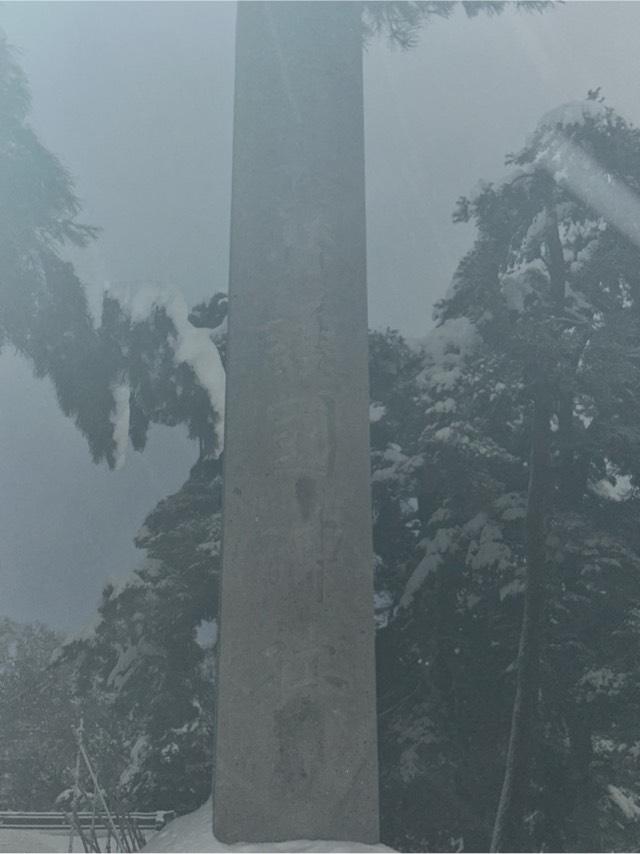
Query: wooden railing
column 97, row 832
column 62, row 820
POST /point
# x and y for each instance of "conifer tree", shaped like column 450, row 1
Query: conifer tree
column 36, row 713
column 43, row 307
column 540, row 312
column 147, row 657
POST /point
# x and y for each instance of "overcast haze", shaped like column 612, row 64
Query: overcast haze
column 136, row 99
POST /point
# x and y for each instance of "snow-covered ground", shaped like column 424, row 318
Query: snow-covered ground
column 192, row 833
column 34, row 841
column 189, row 833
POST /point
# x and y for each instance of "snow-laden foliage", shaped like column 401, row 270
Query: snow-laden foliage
column 548, row 295
column 36, row 713
column 105, row 377
column 149, row 653
column 44, row 313
column 450, row 436
column 547, row 298
column 401, row 22
column 170, row 361
column 38, row 709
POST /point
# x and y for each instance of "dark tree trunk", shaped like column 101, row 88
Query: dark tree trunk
column 509, row 831
column 556, row 265
column 295, row 751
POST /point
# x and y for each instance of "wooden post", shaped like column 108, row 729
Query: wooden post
column 76, row 786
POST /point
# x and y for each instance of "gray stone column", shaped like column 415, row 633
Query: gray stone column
column 295, row 753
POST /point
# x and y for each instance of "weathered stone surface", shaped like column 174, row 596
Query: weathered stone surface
column 296, row 753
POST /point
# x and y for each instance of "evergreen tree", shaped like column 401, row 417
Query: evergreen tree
column 37, row 742
column 39, row 709
column 149, row 362
column 450, row 443
column 148, row 657
column 541, row 311
column 105, row 378
column 43, row 307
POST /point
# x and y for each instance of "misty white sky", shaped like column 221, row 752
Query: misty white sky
column 136, row 99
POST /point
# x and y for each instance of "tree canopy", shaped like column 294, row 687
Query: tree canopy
column 106, row 375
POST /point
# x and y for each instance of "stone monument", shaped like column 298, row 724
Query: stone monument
column 295, row 750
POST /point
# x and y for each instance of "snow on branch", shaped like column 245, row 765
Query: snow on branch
column 120, row 420
column 605, row 194
column 192, row 345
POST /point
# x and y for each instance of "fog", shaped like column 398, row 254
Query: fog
column 136, row 100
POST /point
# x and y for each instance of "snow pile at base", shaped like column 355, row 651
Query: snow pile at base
column 193, row 833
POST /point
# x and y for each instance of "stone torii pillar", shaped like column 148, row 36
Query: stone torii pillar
column 295, row 749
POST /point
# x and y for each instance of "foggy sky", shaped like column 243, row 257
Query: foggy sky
column 136, row 99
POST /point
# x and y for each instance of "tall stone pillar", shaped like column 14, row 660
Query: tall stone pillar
column 295, row 752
